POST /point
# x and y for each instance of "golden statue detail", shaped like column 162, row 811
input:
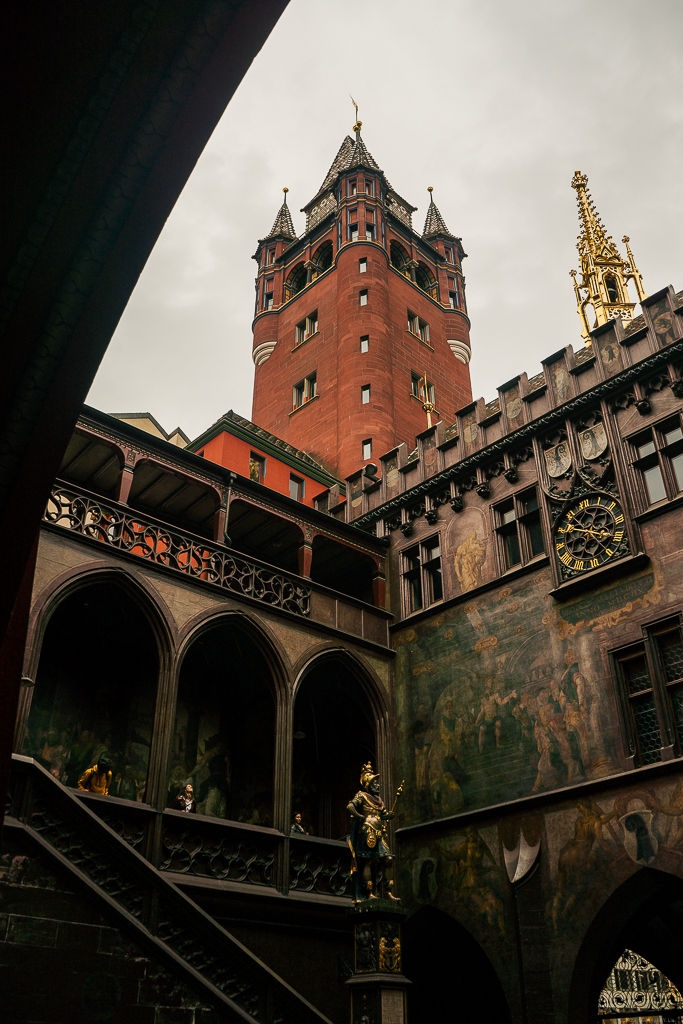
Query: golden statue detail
column 368, row 841
column 604, row 273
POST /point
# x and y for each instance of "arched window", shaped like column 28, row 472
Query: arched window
column 612, row 288
column 334, row 736
column 95, row 690
column 224, row 734
column 296, row 281
column 399, row 258
column 425, row 279
column 323, row 257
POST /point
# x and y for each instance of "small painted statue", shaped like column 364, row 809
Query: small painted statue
column 368, row 841
column 98, row 778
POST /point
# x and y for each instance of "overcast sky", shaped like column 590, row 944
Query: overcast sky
column 495, row 103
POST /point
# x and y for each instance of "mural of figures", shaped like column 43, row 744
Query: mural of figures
column 505, row 702
column 474, row 879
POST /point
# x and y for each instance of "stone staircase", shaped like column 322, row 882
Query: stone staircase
column 151, row 910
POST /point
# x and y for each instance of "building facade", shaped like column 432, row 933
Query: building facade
column 488, row 609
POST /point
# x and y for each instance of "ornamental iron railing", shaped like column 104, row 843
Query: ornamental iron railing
column 128, row 531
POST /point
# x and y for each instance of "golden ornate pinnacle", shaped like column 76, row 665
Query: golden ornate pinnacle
column 602, row 290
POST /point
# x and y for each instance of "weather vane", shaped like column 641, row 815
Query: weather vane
column 357, row 125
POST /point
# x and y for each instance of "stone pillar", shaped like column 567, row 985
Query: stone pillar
column 306, row 554
column 377, row 986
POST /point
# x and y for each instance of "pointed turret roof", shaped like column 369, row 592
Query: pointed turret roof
column 283, row 226
column 352, row 153
column 435, row 225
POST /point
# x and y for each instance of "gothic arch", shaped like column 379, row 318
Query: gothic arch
column 324, row 256
column 452, row 977
column 151, row 604
column 645, row 914
column 340, row 720
column 399, row 257
column 295, row 281
column 231, row 713
column 254, row 629
column 424, row 278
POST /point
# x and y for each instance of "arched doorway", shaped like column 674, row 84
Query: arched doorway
column 95, row 689
column 224, row 734
column 334, row 735
column 452, row 978
column 643, row 918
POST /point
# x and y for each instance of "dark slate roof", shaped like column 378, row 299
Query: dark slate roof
column 283, row 226
column 352, row 153
column 435, row 225
column 265, row 435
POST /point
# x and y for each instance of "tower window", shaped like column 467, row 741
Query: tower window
column 370, row 232
column 365, row 394
column 369, row 187
column 367, row 448
column 449, row 253
column 365, row 343
column 353, row 225
column 257, row 468
column 453, row 297
column 363, row 298
column 418, row 327
column 353, row 188
column 296, row 487
column 304, row 391
column 422, row 390
column 362, row 266
column 306, row 328
column 270, row 257
column 268, row 293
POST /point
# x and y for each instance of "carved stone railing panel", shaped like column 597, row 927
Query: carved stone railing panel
column 320, row 867
column 125, row 530
column 194, row 847
column 66, row 824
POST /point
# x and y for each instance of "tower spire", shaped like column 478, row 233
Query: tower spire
column 435, row 225
column 604, row 273
column 283, row 226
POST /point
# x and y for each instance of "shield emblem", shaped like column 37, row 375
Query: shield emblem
column 640, row 842
column 520, row 861
column 424, row 879
column 593, row 441
column 558, row 459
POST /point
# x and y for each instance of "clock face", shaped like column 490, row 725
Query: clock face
column 590, row 533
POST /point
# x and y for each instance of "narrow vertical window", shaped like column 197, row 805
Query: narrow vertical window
column 365, row 343
column 367, row 448
column 365, row 394
column 362, row 266
column 363, row 298
column 268, row 293
column 296, row 488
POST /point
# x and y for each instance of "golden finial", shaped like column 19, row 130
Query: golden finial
column 359, row 124
column 285, row 190
column 602, row 290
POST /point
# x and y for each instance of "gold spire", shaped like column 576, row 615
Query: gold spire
column 604, row 273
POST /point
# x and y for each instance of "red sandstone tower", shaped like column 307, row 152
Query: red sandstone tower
column 360, row 321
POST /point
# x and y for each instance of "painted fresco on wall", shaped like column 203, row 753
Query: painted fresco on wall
column 504, row 696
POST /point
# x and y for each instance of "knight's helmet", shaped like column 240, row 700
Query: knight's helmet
column 367, row 775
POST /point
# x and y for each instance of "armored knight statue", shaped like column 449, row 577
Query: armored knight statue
column 368, row 841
